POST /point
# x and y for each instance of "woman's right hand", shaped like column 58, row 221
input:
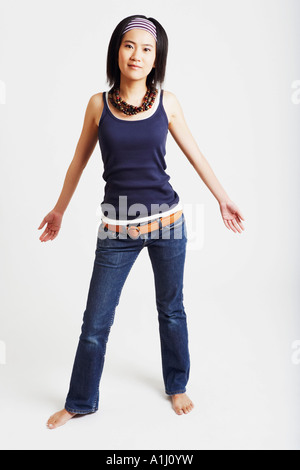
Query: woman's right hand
column 53, row 221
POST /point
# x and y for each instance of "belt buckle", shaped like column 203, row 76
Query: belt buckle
column 134, row 228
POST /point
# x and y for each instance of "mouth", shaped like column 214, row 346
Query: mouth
column 134, row 66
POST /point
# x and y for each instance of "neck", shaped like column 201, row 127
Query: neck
column 133, row 92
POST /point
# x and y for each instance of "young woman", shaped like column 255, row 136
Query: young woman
column 140, row 208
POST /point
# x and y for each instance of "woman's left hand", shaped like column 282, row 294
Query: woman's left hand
column 232, row 216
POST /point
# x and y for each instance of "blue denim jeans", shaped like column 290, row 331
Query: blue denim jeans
column 114, row 258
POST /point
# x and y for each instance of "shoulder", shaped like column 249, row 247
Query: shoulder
column 171, row 103
column 96, row 99
column 95, row 106
column 168, row 96
column 171, row 98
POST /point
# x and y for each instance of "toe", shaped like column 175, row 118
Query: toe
column 51, row 424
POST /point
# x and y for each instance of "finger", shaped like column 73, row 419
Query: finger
column 226, row 223
column 48, row 236
column 240, row 223
column 240, row 215
column 44, row 235
column 236, row 226
column 42, row 224
column 231, row 226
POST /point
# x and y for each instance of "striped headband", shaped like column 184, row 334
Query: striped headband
column 141, row 23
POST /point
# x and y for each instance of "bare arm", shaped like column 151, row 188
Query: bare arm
column 185, row 140
column 84, row 150
column 182, row 135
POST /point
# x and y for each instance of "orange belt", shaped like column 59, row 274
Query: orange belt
column 155, row 225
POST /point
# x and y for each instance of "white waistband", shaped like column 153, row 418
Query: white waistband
column 142, row 219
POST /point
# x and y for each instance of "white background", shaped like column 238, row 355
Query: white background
column 232, row 64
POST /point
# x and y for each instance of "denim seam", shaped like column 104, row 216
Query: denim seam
column 80, row 412
column 175, row 393
column 96, row 400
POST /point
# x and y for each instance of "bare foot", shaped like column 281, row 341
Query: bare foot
column 182, row 403
column 59, row 419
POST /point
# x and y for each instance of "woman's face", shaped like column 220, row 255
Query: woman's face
column 138, row 47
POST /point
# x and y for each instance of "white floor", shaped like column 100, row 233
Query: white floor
column 245, row 396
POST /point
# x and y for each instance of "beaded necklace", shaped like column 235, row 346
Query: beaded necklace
column 128, row 109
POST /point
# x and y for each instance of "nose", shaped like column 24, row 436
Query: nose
column 135, row 56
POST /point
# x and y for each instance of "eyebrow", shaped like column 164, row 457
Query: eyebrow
column 142, row 44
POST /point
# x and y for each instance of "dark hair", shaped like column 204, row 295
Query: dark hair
column 157, row 75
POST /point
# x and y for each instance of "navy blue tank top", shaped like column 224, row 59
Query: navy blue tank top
column 133, row 154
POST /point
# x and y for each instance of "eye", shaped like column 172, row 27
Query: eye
column 146, row 48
